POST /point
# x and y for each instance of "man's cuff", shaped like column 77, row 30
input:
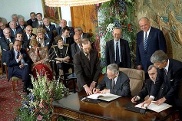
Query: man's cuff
column 151, row 97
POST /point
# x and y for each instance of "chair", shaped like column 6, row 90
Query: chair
column 136, row 77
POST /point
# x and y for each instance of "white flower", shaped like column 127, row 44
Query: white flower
column 110, row 27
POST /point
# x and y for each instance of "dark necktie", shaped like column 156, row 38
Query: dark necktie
column 145, row 41
column 113, row 83
column 117, row 54
column 18, row 54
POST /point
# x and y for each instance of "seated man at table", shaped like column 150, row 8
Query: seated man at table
column 152, row 72
column 115, row 82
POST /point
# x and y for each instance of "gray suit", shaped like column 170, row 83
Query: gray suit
column 121, row 88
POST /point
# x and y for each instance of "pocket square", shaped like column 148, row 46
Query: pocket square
column 171, row 80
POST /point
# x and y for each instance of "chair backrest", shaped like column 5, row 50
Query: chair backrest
column 136, row 77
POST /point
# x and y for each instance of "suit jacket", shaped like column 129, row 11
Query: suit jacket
column 11, row 61
column 156, row 41
column 146, row 89
column 1, row 33
column 121, row 88
column 26, row 41
column 167, row 86
column 59, row 31
column 5, row 47
column 32, row 23
column 74, row 49
column 125, row 53
column 86, row 70
column 17, row 31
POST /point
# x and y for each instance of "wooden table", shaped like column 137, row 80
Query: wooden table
column 72, row 107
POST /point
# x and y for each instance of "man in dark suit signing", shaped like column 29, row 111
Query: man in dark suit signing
column 149, row 39
column 117, row 50
column 87, row 67
column 168, row 79
column 114, row 82
column 152, row 72
column 19, row 64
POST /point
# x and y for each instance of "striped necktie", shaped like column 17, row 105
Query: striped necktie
column 145, row 41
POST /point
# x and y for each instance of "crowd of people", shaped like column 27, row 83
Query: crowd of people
column 57, row 47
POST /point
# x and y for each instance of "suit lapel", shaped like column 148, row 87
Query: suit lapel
column 87, row 63
column 112, row 50
column 92, row 59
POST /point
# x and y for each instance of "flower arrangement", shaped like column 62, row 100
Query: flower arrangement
column 37, row 106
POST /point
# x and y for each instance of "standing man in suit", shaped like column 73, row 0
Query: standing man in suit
column 19, row 64
column 87, row 67
column 152, row 72
column 168, row 79
column 149, row 39
column 32, row 20
column 117, row 50
column 115, row 82
column 76, row 47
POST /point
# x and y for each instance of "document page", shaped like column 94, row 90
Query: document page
column 105, row 97
column 155, row 107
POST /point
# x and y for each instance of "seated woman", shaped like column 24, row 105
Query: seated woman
column 60, row 53
column 39, row 56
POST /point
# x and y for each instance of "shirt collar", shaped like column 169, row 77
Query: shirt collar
column 167, row 66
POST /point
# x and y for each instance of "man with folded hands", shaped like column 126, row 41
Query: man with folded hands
column 115, row 82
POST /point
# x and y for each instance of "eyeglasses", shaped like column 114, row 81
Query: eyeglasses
column 30, row 30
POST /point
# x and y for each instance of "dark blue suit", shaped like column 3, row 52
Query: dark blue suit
column 155, row 41
column 5, row 47
column 15, row 70
column 125, row 53
column 121, row 88
column 168, row 86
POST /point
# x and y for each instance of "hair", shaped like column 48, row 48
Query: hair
column 113, row 67
column 85, row 41
column 18, row 33
column 65, row 28
column 40, row 30
column 17, row 41
column 57, row 38
column 117, row 28
column 14, row 15
column 150, row 67
column 144, row 18
column 158, row 56
column 32, row 13
column 33, row 42
column 39, row 14
column 79, row 28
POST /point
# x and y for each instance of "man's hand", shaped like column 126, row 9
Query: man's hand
column 95, row 90
column 134, row 99
column 160, row 101
column 20, row 57
column 147, row 102
column 87, row 90
column 21, row 66
column 92, row 85
column 105, row 91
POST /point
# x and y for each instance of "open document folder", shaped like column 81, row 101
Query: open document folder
column 105, row 97
column 155, row 107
